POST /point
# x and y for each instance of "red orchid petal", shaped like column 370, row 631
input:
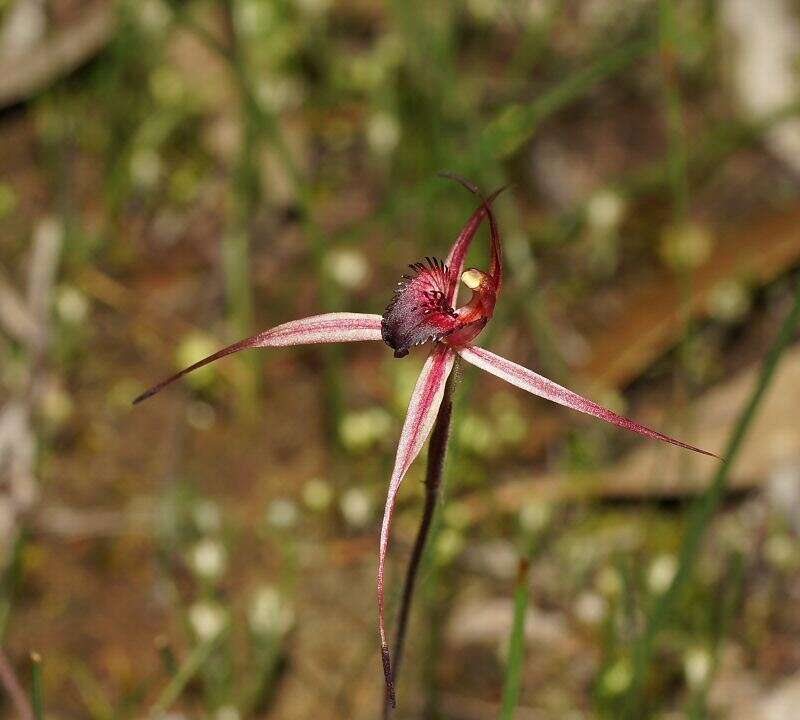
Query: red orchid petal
column 458, row 253
column 418, row 312
column 421, row 415
column 541, row 386
column 328, row 328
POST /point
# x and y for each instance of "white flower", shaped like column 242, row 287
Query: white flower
column 661, row 573
column 279, row 94
column 200, row 415
column 207, row 516
column 729, row 300
column 534, row 516
column 686, row 246
column 227, row 712
column 591, row 608
column 363, row 428
column 780, row 551
column 194, row 347
column 72, row 305
column 356, row 507
column 609, row 582
column 152, row 15
column 449, row 545
column 317, row 494
column 207, row 619
column 55, row 404
column 269, row 613
column 209, row 559
column 145, row 167
column 617, row 678
column 605, row 211
column 349, row 268
column 282, row 513
column 383, row 133
column 697, row 667
column 255, row 15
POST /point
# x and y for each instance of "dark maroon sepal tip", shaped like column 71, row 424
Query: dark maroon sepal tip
column 146, row 394
column 387, row 675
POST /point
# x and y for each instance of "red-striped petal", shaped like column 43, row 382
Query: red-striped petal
column 421, row 415
column 327, row 328
column 541, row 386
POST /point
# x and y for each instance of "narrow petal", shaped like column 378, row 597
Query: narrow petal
column 455, row 259
column 328, row 328
column 541, row 386
column 496, row 267
column 421, row 415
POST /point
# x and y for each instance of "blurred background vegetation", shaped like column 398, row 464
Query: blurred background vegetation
column 175, row 175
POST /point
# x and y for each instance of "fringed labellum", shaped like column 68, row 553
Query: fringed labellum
column 419, row 311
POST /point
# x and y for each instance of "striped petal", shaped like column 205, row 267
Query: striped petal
column 421, row 415
column 328, row 328
column 541, row 386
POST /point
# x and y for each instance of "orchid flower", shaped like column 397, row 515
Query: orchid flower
column 423, row 310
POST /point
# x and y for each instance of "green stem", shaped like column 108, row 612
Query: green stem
column 181, row 679
column 673, row 106
column 701, row 515
column 516, row 646
column 245, row 197
column 37, row 691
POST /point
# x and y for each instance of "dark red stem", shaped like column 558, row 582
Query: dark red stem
column 437, row 454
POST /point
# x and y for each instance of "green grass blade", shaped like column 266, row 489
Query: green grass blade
column 516, row 646
column 517, row 123
column 181, row 679
column 37, row 692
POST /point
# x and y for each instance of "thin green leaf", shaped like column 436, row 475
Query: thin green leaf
column 516, row 646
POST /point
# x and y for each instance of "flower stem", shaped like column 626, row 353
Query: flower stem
column 437, row 453
column 244, row 201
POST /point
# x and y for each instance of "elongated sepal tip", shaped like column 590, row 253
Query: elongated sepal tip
column 387, row 675
column 146, row 394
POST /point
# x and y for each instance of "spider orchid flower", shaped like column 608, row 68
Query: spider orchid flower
column 423, row 310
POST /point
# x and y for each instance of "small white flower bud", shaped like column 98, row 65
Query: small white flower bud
column 209, row 559
column 269, row 612
column 207, row 619
column 661, row 572
column 356, row 507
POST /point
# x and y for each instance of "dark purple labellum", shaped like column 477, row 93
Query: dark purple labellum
column 419, row 311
